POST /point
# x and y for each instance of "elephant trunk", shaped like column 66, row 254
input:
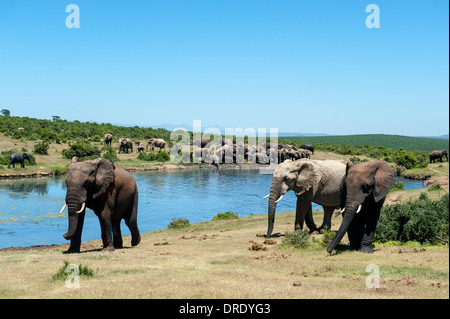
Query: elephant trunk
column 76, row 205
column 349, row 213
column 275, row 191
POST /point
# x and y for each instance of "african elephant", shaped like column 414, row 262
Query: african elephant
column 108, row 139
column 434, row 155
column 107, row 189
column 125, row 144
column 363, row 191
column 18, row 158
column 308, row 147
column 158, row 142
column 312, row 181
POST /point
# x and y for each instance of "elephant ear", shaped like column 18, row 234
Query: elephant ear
column 384, row 180
column 104, row 176
column 309, row 175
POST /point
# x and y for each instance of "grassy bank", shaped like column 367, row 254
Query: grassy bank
column 227, row 259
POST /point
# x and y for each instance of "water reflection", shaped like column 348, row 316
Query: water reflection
column 29, row 208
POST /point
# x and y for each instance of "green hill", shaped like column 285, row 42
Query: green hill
column 388, row 141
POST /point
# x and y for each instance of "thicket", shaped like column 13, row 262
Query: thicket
column 82, row 150
column 63, row 131
column 421, row 220
column 161, row 156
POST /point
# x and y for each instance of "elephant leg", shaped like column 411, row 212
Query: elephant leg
column 369, row 231
column 131, row 221
column 304, row 211
column 107, row 229
column 75, row 242
column 117, row 234
column 327, row 214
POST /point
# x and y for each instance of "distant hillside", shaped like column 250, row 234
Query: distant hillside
column 388, row 141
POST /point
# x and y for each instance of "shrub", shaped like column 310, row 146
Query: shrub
column 81, row 150
column 422, row 220
column 110, row 154
column 296, row 239
column 41, row 148
column 225, row 216
column 435, row 187
column 62, row 274
column 398, row 186
column 161, row 156
column 327, row 238
column 179, row 222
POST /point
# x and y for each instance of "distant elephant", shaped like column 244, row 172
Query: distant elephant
column 158, row 142
column 434, row 155
column 363, row 191
column 18, row 158
column 108, row 139
column 312, row 181
column 125, row 144
column 107, row 189
column 308, row 147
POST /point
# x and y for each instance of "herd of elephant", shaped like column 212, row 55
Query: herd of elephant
column 126, row 144
column 228, row 152
column 359, row 190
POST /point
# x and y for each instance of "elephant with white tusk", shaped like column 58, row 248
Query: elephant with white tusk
column 107, row 189
column 313, row 181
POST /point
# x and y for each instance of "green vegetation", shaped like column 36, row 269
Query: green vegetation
column 41, row 148
column 63, row 273
column 82, row 150
column 398, row 186
column 297, row 239
column 4, row 158
column 161, row 156
column 225, row 216
column 63, row 131
column 421, row 220
column 376, row 140
column 435, row 187
column 178, row 222
column 110, row 154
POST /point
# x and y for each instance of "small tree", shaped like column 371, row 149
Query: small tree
column 5, row 112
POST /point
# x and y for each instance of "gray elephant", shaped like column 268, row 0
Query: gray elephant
column 125, row 144
column 434, row 155
column 108, row 139
column 158, row 142
column 308, row 147
column 15, row 158
column 363, row 191
column 313, row 181
column 111, row 192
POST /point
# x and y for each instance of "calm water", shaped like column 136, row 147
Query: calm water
column 29, row 208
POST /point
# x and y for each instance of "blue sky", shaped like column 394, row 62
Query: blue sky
column 299, row 66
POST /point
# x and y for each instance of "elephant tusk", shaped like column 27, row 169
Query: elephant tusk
column 82, row 208
column 359, row 208
column 64, row 207
column 279, row 199
column 266, row 196
column 342, row 210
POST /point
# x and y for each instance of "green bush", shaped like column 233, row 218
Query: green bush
column 179, row 222
column 225, row 216
column 422, row 220
column 110, row 154
column 41, row 148
column 161, row 156
column 80, row 149
column 327, row 237
column 297, row 239
column 62, row 274
column 435, row 187
column 398, row 186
